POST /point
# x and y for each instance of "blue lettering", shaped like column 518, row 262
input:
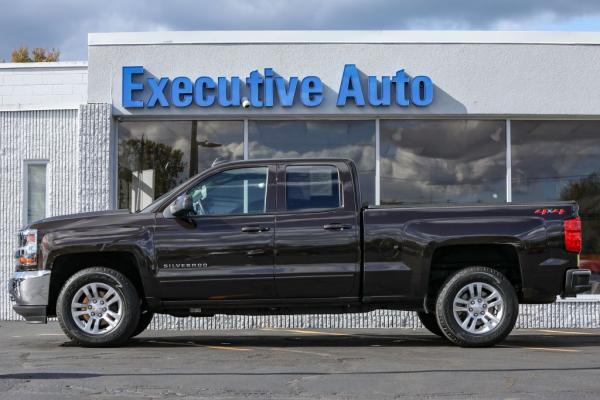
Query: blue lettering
column 421, row 89
column 350, row 87
column 181, row 92
column 202, row 85
column 234, row 91
column 129, row 87
column 401, row 79
column 311, row 91
column 254, row 81
column 268, row 99
column 286, row 95
column 386, row 87
column 158, row 95
column 265, row 90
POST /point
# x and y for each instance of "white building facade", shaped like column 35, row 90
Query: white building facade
column 429, row 118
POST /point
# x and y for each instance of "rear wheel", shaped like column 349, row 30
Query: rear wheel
column 429, row 321
column 477, row 307
column 98, row 307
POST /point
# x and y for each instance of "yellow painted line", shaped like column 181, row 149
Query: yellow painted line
column 310, row 353
column 306, row 332
column 187, row 344
column 567, row 332
column 539, row 348
column 227, row 348
column 552, row 349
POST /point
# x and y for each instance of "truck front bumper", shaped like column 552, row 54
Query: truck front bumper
column 577, row 281
column 29, row 291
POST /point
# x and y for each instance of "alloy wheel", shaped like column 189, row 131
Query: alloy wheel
column 478, row 308
column 97, row 308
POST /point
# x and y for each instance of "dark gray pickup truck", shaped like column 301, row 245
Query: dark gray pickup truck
column 292, row 236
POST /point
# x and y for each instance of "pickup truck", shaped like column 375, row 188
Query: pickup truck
column 292, row 236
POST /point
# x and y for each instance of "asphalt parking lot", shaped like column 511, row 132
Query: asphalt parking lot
column 38, row 362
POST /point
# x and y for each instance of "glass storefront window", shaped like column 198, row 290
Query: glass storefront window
column 155, row 156
column 560, row 160
column 318, row 139
column 442, row 161
column 35, row 191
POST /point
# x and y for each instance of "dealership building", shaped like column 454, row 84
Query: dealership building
column 428, row 117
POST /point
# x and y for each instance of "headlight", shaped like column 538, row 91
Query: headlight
column 28, row 247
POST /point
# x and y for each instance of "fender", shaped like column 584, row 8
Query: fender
column 520, row 233
column 136, row 241
column 399, row 250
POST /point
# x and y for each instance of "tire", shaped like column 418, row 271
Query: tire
column 466, row 288
column 429, row 321
column 88, row 294
column 145, row 319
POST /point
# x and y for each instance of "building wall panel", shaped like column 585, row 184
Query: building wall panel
column 33, row 135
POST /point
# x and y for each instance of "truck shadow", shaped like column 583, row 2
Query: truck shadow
column 83, row 375
column 334, row 339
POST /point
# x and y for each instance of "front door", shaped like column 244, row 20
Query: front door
column 316, row 233
column 224, row 250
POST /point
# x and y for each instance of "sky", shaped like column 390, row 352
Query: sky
column 64, row 24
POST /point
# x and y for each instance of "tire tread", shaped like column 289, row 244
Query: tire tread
column 132, row 301
column 511, row 307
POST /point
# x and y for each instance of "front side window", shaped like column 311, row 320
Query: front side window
column 313, row 187
column 235, row 191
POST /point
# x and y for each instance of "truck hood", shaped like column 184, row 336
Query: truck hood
column 88, row 220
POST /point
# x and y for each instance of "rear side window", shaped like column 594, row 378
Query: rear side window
column 312, row 187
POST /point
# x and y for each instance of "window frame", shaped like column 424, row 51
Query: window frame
column 267, row 189
column 283, row 178
column 25, row 188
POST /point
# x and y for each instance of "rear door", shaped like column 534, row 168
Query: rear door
column 316, row 232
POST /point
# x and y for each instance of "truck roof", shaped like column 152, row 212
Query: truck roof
column 283, row 160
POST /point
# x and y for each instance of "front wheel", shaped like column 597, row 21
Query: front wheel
column 98, row 307
column 477, row 307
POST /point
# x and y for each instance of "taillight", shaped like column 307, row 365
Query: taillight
column 573, row 235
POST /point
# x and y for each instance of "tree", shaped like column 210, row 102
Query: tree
column 38, row 54
column 20, row 55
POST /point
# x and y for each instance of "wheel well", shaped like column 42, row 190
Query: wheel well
column 448, row 259
column 66, row 266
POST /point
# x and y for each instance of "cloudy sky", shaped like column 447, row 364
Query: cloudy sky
column 64, row 24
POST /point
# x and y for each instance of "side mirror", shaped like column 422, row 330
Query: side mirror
column 181, row 206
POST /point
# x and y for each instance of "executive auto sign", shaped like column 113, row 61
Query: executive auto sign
column 268, row 89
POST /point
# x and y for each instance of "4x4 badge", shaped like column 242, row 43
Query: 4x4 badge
column 545, row 211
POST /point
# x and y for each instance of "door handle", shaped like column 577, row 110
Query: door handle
column 336, row 227
column 255, row 229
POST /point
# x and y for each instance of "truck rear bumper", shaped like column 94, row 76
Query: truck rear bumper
column 577, row 281
column 29, row 290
